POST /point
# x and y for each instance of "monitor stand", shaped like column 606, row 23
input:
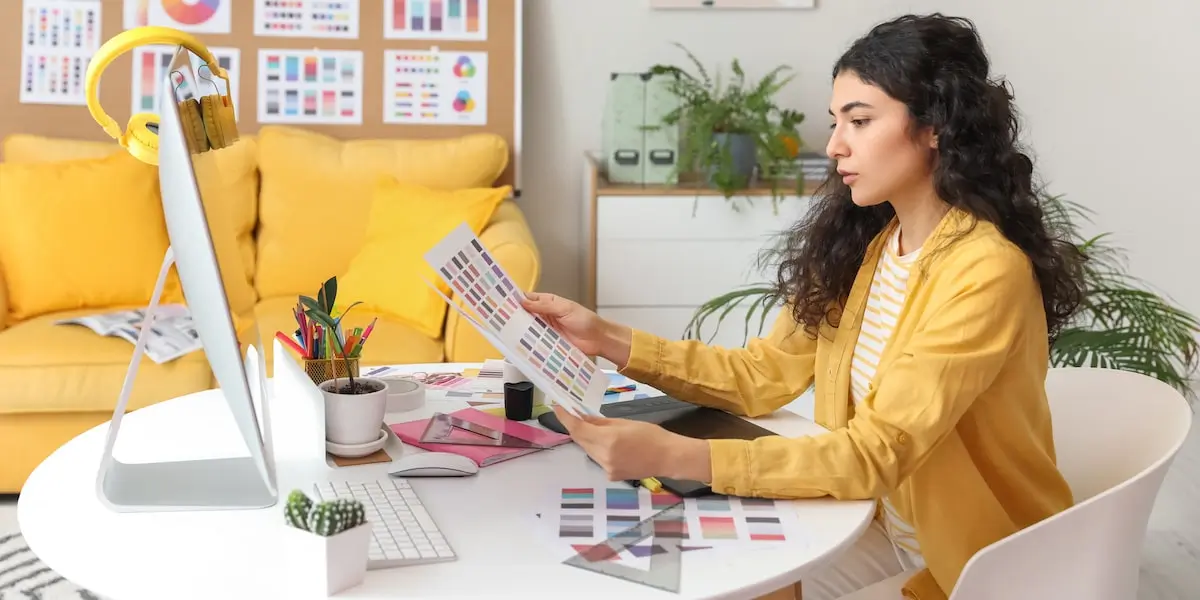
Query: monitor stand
column 203, row 484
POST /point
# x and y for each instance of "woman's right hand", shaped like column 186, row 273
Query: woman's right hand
column 585, row 329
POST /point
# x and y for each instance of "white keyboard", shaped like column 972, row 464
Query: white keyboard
column 403, row 533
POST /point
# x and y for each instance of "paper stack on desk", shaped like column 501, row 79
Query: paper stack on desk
column 410, row 432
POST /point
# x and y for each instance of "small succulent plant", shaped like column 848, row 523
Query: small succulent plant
column 327, row 518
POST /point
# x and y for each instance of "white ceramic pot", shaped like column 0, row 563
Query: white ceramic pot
column 354, row 419
column 327, row 565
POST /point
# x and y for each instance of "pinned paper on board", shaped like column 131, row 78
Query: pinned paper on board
column 306, row 18
column 435, row 19
column 310, row 86
column 58, row 39
column 568, row 377
column 435, row 87
column 150, row 65
column 195, row 16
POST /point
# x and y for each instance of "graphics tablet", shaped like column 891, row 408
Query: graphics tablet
column 689, row 420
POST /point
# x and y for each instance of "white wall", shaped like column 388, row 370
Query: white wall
column 1109, row 90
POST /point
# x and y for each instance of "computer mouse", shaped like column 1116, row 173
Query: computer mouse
column 434, row 464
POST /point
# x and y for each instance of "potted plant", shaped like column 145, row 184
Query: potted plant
column 727, row 129
column 355, row 406
column 1121, row 323
column 329, row 542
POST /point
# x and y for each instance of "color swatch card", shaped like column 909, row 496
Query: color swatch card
column 435, row 87
column 435, row 19
column 306, row 18
column 310, row 86
column 196, row 16
column 150, row 65
column 587, row 515
column 58, row 39
column 566, row 375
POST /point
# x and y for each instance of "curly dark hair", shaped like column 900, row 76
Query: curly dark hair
column 936, row 65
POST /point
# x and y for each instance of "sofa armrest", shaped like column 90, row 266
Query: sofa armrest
column 508, row 238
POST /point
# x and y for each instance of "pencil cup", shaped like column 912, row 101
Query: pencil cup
column 322, row 370
column 327, row 564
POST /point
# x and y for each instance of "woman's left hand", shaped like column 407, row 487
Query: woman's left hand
column 628, row 449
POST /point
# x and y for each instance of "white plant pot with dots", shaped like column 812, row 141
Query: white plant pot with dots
column 325, row 564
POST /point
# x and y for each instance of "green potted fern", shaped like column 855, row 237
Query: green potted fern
column 329, row 543
column 729, row 127
column 1121, row 324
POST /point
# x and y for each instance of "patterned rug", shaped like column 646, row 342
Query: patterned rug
column 23, row 576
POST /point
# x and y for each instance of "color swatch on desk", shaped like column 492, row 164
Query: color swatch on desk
column 718, row 528
column 577, row 499
column 575, row 526
column 435, row 19
column 765, row 528
column 621, row 498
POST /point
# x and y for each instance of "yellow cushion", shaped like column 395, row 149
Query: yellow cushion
column 85, row 233
column 390, row 343
column 48, row 368
column 406, row 221
column 228, row 181
column 316, row 195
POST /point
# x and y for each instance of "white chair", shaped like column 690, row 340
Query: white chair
column 1115, row 434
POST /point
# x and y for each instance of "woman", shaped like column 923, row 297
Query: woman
column 924, row 290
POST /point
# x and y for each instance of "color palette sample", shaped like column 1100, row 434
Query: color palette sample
column 196, row 16
column 58, row 39
column 607, row 511
column 310, row 86
column 566, row 375
column 435, row 19
column 307, row 18
column 150, row 65
column 435, row 87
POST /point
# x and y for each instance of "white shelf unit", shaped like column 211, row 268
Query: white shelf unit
column 657, row 253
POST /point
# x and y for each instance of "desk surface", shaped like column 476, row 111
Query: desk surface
column 489, row 519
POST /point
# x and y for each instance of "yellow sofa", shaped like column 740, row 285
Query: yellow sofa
column 277, row 191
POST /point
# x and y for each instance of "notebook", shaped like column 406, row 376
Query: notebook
column 410, row 432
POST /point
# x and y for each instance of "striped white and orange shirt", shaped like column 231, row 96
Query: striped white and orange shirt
column 888, row 288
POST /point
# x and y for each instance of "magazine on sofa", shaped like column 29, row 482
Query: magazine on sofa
column 172, row 335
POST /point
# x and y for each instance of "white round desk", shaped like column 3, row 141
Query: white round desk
column 487, row 519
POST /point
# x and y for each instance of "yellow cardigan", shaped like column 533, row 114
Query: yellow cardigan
column 955, row 430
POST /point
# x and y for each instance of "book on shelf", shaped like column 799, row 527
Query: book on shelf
column 172, row 335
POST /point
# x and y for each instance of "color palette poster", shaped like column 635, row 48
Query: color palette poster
column 58, row 39
column 195, row 16
column 555, row 365
column 150, row 65
column 435, row 19
column 584, row 516
column 435, row 87
column 306, row 18
column 310, row 86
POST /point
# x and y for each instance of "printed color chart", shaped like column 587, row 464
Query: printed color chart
column 59, row 38
column 591, row 514
column 435, row 87
column 435, row 19
column 150, row 66
column 306, row 18
column 318, row 86
column 197, row 16
column 552, row 363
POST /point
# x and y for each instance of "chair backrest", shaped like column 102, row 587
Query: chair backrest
column 1115, row 434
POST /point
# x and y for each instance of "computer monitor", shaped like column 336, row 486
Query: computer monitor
column 204, row 483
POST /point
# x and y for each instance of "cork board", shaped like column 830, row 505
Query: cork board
column 503, row 47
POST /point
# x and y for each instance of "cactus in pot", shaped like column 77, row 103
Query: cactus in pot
column 325, row 519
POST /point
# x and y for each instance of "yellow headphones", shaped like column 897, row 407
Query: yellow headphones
column 208, row 122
